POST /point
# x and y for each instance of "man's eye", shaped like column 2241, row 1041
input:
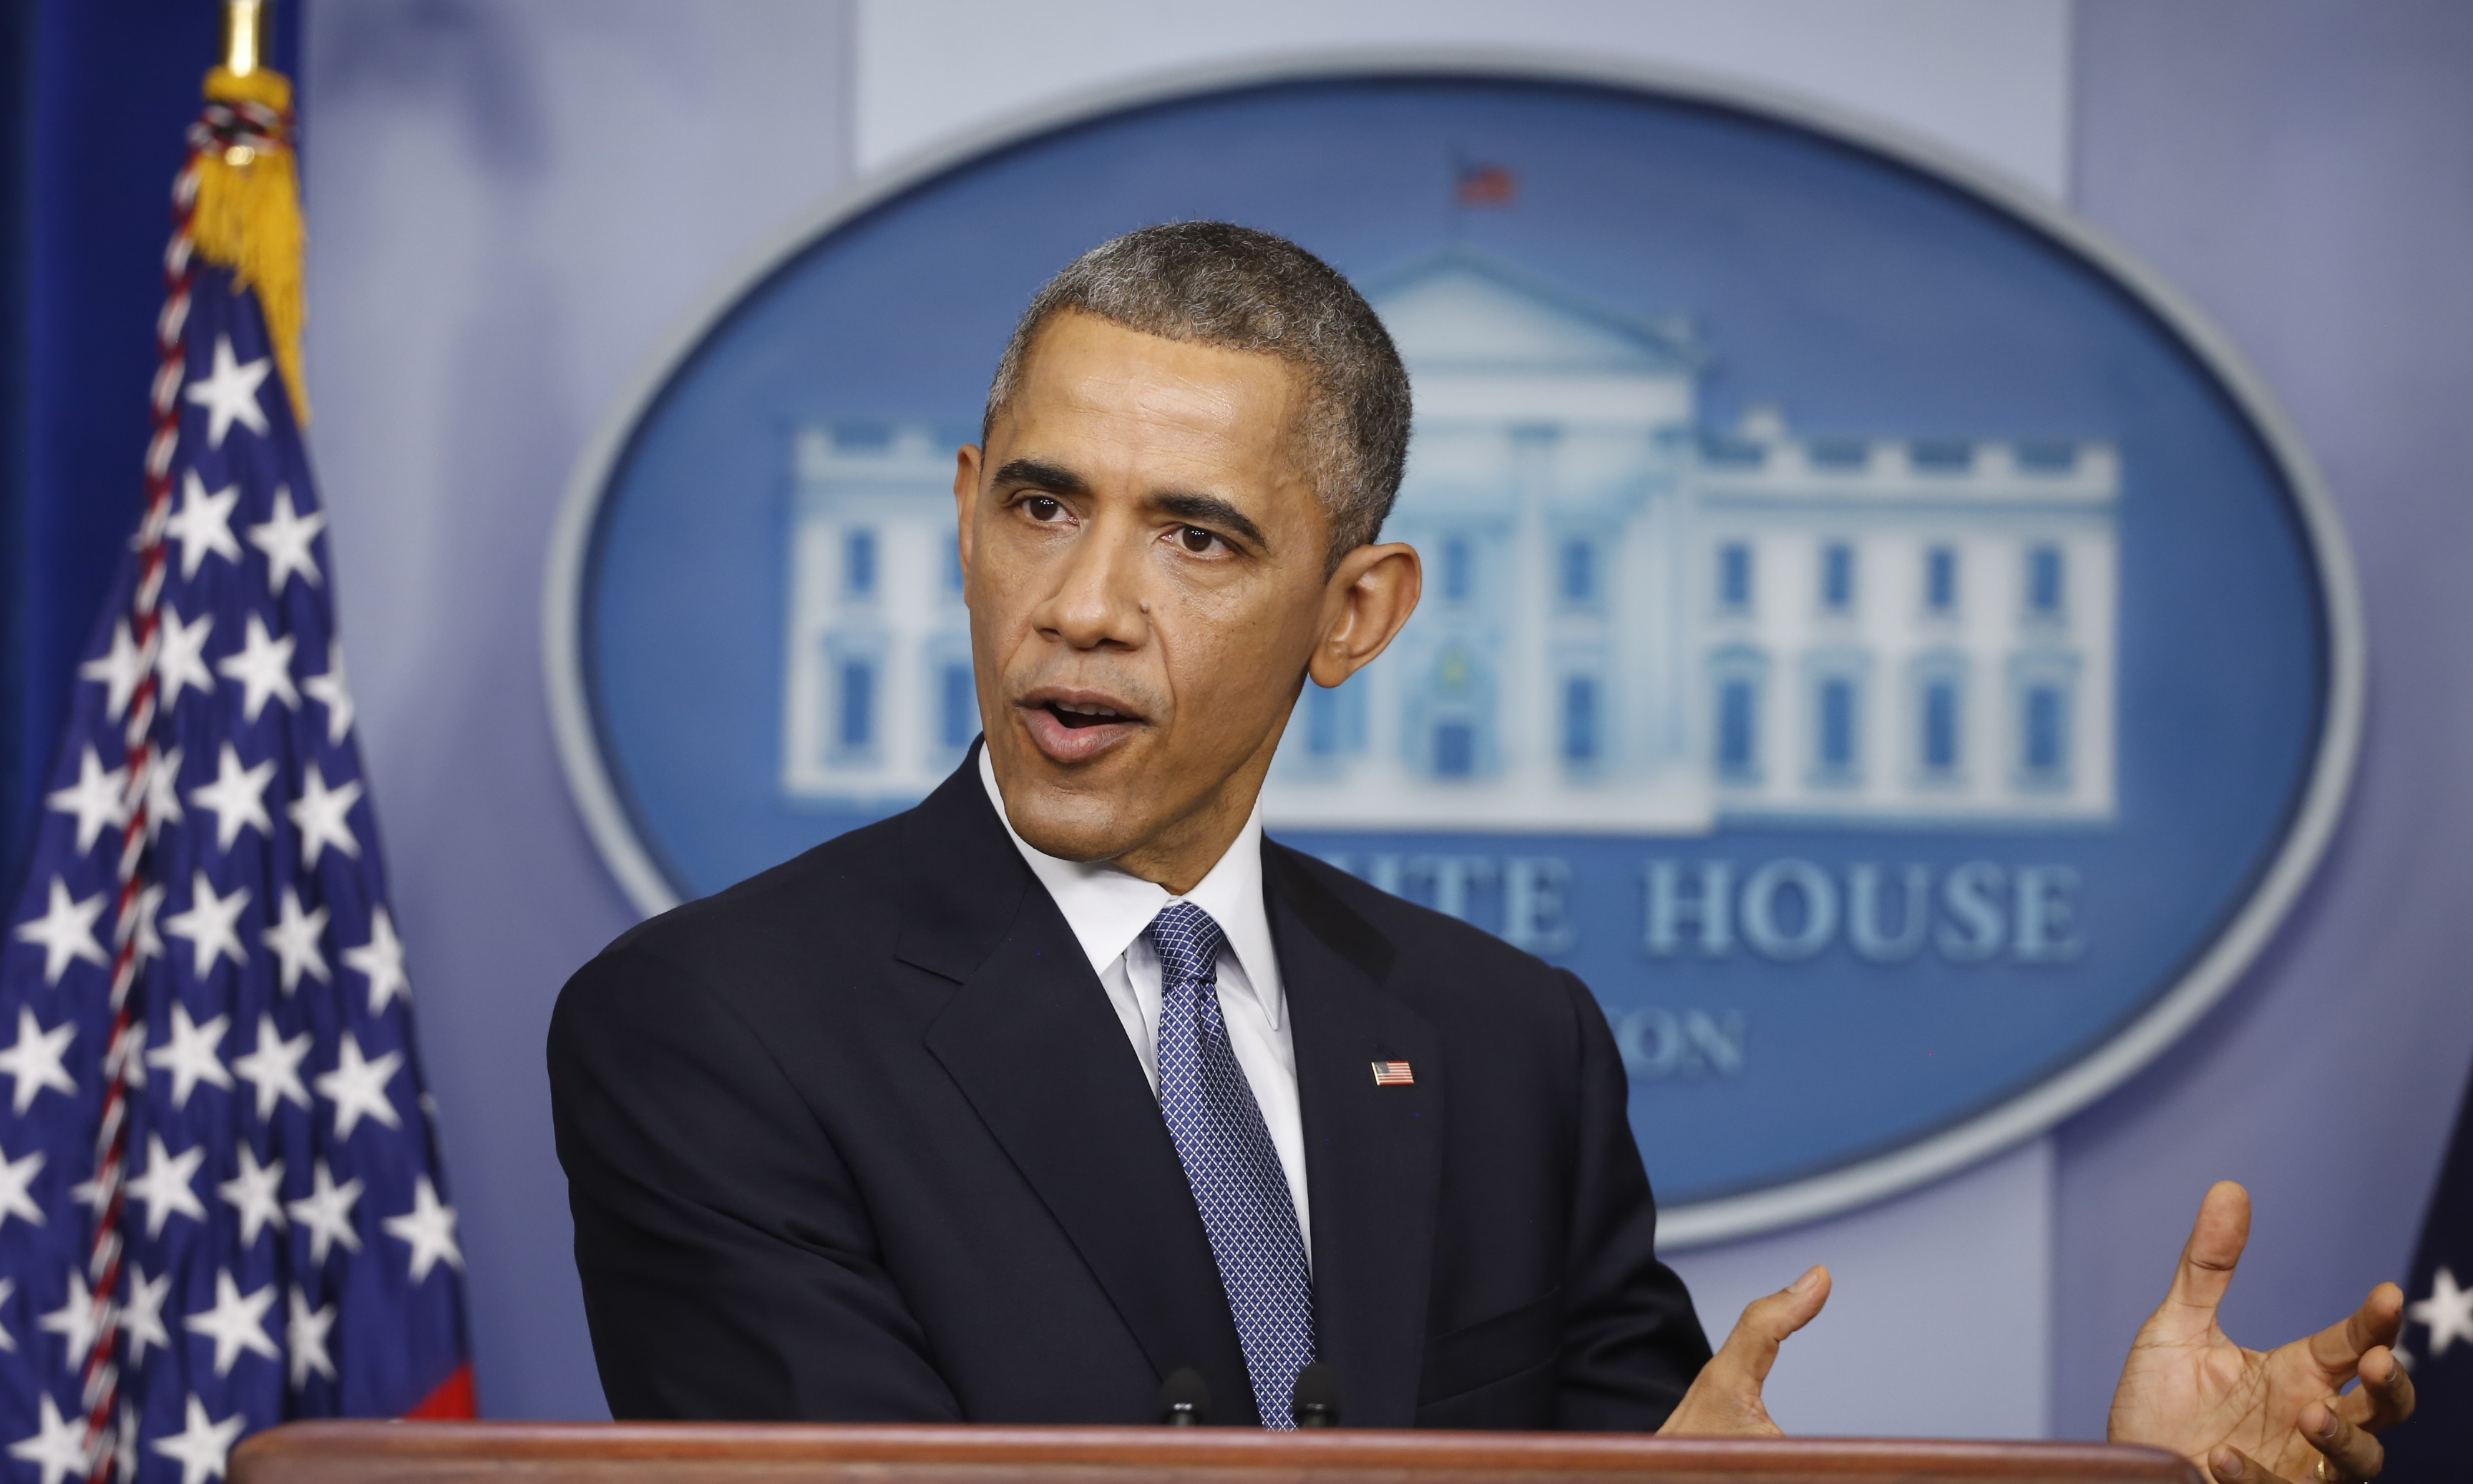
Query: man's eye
column 1197, row 539
column 1045, row 508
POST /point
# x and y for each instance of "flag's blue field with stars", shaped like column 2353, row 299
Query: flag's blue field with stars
column 289, row 1249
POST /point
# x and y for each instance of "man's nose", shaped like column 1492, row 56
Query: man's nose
column 1096, row 603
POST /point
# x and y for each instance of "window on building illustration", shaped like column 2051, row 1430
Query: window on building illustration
column 1940, row 580
column 2044, row 577
column 1835, row 703
column 1735, row 576
column 2044, row 732
column 1940, row 727
column 1838, row 577
column 857, row 719
column 958, row 706
column 1458, row 581
column 1577, row 571
column 1739, row 742
column 1580, row 719
column 859, row 564
column 1455, row 750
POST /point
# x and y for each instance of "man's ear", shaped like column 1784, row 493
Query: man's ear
column 966, row 493
column 1365, row 604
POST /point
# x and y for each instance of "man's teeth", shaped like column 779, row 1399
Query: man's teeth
column 1086, row 710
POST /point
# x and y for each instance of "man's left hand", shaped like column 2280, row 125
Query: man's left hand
column 2259, row 1417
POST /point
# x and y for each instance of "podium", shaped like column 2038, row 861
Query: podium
column 384, row 1452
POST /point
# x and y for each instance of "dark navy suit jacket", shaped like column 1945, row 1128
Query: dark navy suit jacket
column 861, row 1138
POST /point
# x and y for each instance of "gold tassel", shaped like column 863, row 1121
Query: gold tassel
column 248, row 219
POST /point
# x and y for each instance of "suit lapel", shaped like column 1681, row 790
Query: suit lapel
column 1373, row 1154
column 1030, row 1039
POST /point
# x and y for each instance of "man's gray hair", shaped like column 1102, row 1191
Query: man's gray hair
column 1217, row 284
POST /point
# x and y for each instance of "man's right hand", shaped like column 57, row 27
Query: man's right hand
column 1725, row 1400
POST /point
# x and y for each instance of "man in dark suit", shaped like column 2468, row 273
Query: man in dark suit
column 1011, row 1104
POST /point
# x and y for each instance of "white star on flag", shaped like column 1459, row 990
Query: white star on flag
column 166, row 1185
column 56, row 1446
column 118, row 669
column 327, row 1213
column 211, row 924
column 180, row 656
column 141, row 922
column 36, row 1062
column 263, row 666
column 163, row 793
column 285, row 540
column 75, row 1320
column 236, row 798
column 236, row 1323
column 17, row 1177
column 381, row 960
column 358, row 1086
column 65, row 930
column 203, row 524
column 230, row 395
column 257, row 1194
column 320, row 813
column 429, row 1228
column 304, row 1336
column 8, row 1341
column 294, row 938
column 203, row 1447
column 141, row 1317
column 273, row 1068
column 330, row 691
column 97, row 799
column 189, row 1056
column 127, row 1060
column 2448, row 1312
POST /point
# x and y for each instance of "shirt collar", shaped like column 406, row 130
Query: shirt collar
column 1107, row 908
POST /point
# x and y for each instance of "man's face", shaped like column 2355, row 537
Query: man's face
column 1146, row 567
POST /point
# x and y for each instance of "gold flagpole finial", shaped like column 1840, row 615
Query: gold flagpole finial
column 245, row 36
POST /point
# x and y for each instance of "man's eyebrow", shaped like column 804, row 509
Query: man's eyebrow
column 1038, row 473
column 1208, row 510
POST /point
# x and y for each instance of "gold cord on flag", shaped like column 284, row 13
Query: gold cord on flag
column 249, row 195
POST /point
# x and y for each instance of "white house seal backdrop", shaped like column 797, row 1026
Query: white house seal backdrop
column 1875, row 634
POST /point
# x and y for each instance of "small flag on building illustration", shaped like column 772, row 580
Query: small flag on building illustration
column 221, row 1204
column 1481, row 183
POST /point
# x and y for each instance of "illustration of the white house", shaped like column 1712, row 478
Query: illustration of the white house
column 1633, row 622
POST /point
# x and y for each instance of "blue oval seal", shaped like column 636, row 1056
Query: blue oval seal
column 1876, row 632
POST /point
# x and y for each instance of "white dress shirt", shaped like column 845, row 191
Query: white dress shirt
column 1108, row 910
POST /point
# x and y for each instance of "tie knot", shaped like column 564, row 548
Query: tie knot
column 1187, row 942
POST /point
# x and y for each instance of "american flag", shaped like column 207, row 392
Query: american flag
column 221, row 1204
column 1482, row 185
column 1393, row 1074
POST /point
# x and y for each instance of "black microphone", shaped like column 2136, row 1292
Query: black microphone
column 1315, row 1402
column 1185, row 1399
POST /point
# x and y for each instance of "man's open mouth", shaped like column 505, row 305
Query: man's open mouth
column 1078, row 715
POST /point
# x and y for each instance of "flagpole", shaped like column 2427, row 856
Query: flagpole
column 245, row 36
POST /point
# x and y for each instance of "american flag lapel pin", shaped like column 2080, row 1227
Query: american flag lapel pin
column 1393, row 1074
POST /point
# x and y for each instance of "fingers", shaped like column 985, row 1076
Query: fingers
column 2340, row 1347
column 2350, row 1453
column 2214, row 1249
column 2232, row 1465
column 2385, row 1396
column 1753, row 1347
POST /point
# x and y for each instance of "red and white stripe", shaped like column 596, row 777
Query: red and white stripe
column 221, row 126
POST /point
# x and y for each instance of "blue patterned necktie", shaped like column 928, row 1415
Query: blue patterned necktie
column 1226, row 1150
